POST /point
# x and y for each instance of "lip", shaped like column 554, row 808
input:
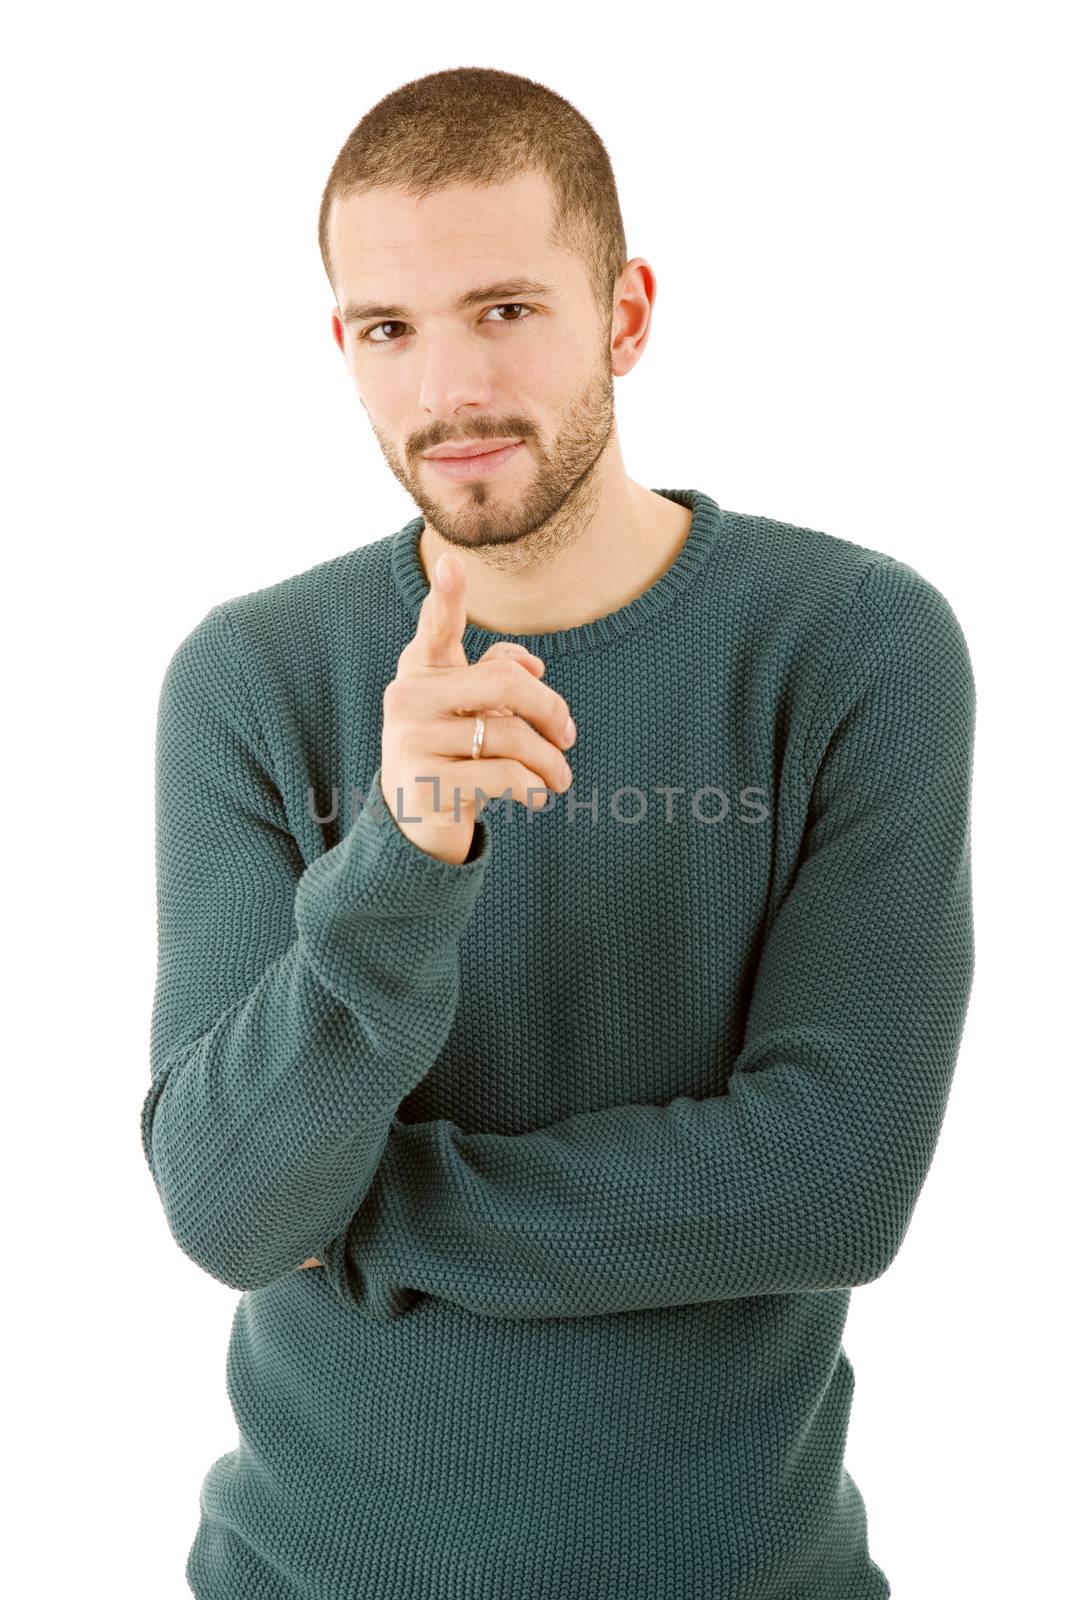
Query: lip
column 479, row 466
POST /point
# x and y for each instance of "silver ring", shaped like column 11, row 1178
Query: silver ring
column 479, row 735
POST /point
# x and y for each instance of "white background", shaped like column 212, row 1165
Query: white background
column 850, row 211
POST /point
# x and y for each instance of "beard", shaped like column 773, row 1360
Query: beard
column 514, row 519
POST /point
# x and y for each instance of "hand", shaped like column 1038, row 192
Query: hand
column 428, row 725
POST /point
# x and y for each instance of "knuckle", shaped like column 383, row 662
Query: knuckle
column 396, row 698
column 505, row 733
column 506, row 672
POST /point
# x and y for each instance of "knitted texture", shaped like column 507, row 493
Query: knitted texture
column 594, row 1132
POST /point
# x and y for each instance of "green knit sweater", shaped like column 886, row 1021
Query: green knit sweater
column 595, row 1131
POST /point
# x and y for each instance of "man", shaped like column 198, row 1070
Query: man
column 547, row 1106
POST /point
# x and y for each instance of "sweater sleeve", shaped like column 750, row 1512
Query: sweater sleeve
column 804, row 1173
column 295, row 1004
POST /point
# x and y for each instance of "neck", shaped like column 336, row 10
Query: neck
column 569, row 572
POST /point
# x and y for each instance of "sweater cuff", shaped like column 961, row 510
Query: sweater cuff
column 380, row 919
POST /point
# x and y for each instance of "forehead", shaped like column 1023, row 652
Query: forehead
column 389, row 244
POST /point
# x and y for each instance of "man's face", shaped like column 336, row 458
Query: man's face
column 533, row 366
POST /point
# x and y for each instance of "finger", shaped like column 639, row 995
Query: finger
column 508, row 647
column 494, row 778
column 438, row 639
column 504, row 740
column 503, row 683
column 525, row 658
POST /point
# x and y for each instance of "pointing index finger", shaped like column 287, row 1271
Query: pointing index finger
column 438, row 639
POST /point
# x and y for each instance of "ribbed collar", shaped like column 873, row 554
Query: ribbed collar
column 705, row 532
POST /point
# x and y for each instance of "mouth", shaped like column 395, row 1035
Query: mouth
column 479, row 466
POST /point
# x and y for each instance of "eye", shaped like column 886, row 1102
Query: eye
column 512, row 306
column 503, row 306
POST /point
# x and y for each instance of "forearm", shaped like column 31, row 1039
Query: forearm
column 264, row 1129
column 804, row 1175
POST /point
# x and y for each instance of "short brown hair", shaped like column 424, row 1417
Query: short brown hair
column 477, row 125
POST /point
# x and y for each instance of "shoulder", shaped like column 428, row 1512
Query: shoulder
column 295, row 622
column 836, row 592
column 789, row 562
column 309, row 605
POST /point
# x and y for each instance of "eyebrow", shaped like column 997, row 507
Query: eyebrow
column 506, row 289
